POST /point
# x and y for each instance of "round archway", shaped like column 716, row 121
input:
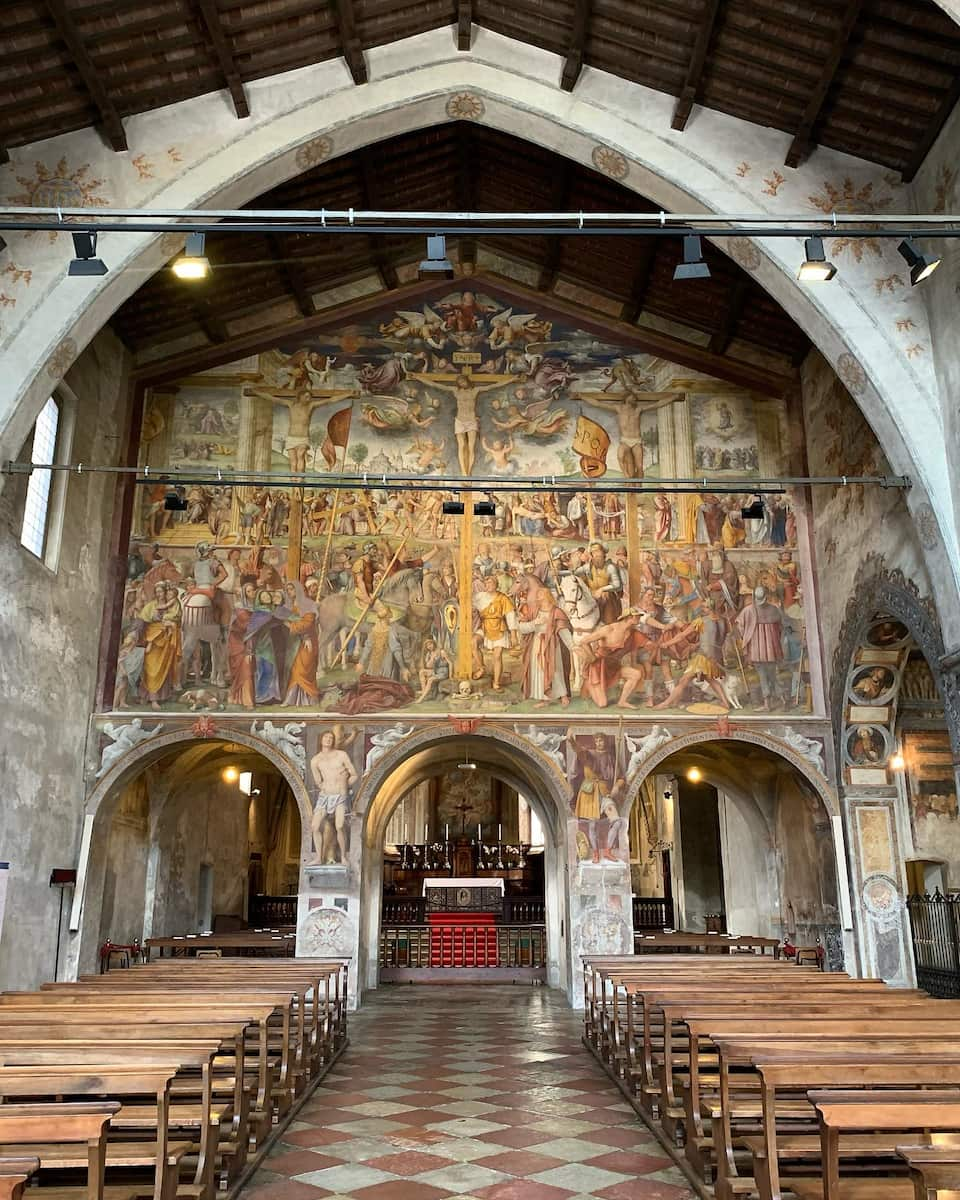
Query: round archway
column 514, row 763
column 734, row 835
column 188, row 835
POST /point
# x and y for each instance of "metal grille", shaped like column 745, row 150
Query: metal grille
column 935, row 927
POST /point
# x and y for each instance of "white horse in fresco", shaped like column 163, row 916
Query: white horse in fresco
column 583, row 612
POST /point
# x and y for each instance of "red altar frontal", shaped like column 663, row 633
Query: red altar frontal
column 463, row 939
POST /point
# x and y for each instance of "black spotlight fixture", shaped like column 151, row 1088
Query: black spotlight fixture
column 453, row 508
column 436, row 265
column 921, row 267
column 484, row 508
column 85, row 261
column 754, row 510
column 693, row 266
column 175, row 500
column 815, row 268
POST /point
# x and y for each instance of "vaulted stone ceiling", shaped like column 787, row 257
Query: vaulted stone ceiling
column 873, row 78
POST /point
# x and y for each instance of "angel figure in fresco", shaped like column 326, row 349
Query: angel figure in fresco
column 429, row 454
column 466, row 313
column 500, row 452
column 303, row 369
column 425, row 326
column 395, row 413
column 534, row 420
column 509, row 329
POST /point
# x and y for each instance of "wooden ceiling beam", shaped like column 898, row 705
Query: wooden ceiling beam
column 224, row 55
column 698, row 61
column 370, row 199
column 70, row 36
column 947, row 105
column 642, row 275
column 349, row 39
column 290, row 277
column 464, row 24
column 803, row 140
column 464, row 189
column 573, row 63
column 559, row 201
column 736, row 302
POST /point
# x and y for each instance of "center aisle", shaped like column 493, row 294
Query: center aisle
column 472, row 1092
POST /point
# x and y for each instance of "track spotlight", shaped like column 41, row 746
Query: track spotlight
column 193, row 263
column 85, row 261
column 484, row 508
column 693, row 266
column 753, row 511
column 920, row 266
column 175, row 501
column 815, row 268
column 453, row 508
column 436, row 265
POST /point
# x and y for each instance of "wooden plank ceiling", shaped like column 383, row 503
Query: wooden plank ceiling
column 873, row 78
column 262, row 282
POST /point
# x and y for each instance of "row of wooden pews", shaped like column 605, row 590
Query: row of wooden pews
column 779, row 1080
column 166, row 1081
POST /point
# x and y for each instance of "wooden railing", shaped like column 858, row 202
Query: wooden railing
column 652, row 912
column 409, row 945
column 935, row 926
column 404, row 910
column 411, row 910
column 272, row 911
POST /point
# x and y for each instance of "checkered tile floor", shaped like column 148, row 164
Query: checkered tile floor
column 472, row 1092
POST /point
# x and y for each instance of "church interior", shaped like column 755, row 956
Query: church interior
column 479, row 600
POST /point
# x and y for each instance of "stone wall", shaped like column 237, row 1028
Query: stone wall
column 49, row 640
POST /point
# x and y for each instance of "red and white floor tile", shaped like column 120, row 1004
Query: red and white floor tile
column 473, row 1092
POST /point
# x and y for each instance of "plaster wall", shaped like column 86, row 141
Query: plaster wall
column 852, row 522
column 750, row 874
column 200, row 827
column 125, row 871
column 49, row 641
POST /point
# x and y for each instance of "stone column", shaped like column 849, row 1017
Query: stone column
column 879, row 887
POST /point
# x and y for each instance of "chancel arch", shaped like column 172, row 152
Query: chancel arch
column 506, row 757
column 622, row 129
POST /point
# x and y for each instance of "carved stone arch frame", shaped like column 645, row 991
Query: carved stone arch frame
column 552, row 802
column 822, row 786
column 878, row 590
column 100, row 804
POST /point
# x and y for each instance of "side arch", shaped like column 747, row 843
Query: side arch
column 101, row 804
column 820, row 784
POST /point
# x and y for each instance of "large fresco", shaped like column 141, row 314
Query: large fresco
column 365, row 599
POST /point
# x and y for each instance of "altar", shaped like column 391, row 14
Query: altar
column 464, row 895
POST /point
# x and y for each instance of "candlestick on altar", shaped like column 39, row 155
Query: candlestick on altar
column 499, row 833
column 479, row 836
column 446, row 833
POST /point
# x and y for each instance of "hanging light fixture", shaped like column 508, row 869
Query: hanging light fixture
column 193, row 263
column 815, row 268
column 693, row 266
column 85, row 261
column 694, row 774
column 436, row 265
column 921, row 267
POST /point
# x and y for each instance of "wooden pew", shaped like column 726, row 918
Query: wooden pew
column 81, row 1125
column 933, row 1169
column 842, row 1113
column 192, row 1107
column 161, row 1154
column 14, row 1173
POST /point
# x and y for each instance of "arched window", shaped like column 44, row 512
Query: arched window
column 46, row 490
